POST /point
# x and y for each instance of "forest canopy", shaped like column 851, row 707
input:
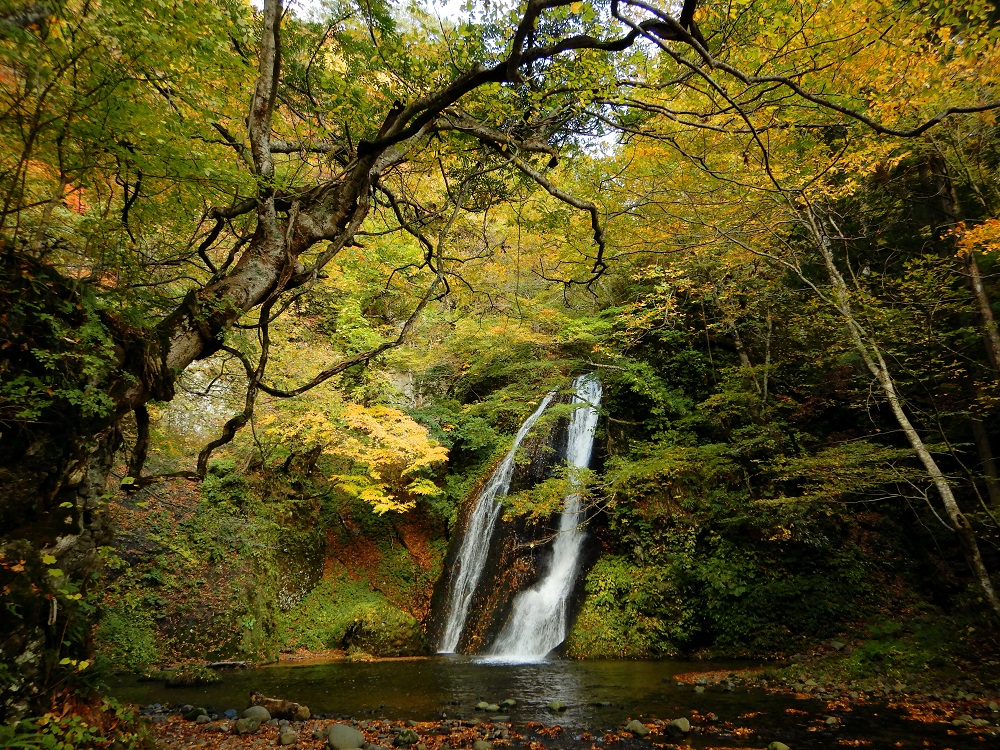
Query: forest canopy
column 773, row 225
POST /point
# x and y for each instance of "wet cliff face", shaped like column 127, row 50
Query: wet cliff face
column 518, row 554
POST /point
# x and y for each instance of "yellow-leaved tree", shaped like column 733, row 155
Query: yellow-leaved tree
column 377, row 454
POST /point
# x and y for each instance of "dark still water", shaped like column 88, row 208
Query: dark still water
column 599, row 697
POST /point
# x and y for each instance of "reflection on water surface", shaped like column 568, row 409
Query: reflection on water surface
column 599, row 696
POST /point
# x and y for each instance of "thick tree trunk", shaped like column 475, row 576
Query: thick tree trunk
column 874, row 361
column 53, row 523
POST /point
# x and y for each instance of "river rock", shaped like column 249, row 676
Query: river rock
column 699, row 688
column 343, row 737
column 993, row 706
column 246, row 726
column 679, row 727
column 778, row 746
column 482, row 705
column 510, row 703
column 192, row 714
column 230, row 713
column 557, row 706
column 637, row 728
column 287, row 736
column 832, row 721
column 412, row 724
column 203, row 719
column 405, row 738
column 980, row 723
column 482, row 745
column 493, row 707
column 319, row 734
column 257, row 712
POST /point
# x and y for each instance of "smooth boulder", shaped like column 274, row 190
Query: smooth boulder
column 344, row 737
column 257, row 712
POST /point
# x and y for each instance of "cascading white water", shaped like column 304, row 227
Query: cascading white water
column 471, row 558
column 538, row 620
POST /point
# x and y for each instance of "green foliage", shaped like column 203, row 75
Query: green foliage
column 923, row 651
column 127, row 639
column 631, row 611
column 340, row 613
column 110, row 725
column 548, row 496
column 58, row 352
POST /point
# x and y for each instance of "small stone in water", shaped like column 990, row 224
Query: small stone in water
column 557, row 706
column 832, row 721
column 482, row 745
column 679, row 727
column 778, row 746
column 637, row 728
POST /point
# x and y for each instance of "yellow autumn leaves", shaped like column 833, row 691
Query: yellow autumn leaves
column 377, row 454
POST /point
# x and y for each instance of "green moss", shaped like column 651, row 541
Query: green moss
column 341, row 613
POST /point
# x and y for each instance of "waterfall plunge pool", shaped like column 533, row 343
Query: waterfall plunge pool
column 599, row 697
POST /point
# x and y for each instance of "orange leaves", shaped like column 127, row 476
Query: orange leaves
column 983, row 238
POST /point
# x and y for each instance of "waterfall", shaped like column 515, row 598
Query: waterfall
column 471, row 558
column 538, row 620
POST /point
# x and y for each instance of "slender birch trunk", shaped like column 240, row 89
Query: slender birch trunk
column 871, row 354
